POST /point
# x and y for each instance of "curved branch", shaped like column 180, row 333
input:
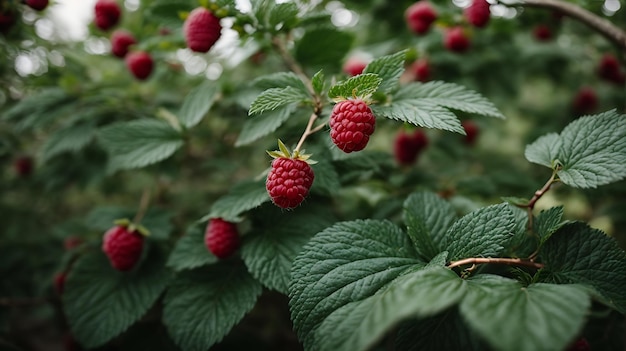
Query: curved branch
column 599, row 24
column 495, row 260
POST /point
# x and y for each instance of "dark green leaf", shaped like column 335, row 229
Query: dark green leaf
column 265, row 123
column 100, row 302
column 274, row 98
column 204, row 304
column 577, row 253
column 326, row 178
column 547, row 222
column 346, row 262
column 318, row 82
column 420, row 113
column 242, row 197
column 427, row 217
column 197, row 103
column 481, row 233
column 190, row 250
column 359, row 325
column 280, row 80
column 139, row 143
column 361, row 86
column 323, row 46
column 70, row 139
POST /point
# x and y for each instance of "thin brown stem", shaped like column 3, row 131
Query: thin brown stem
column 308, row 131
column 143, row 206
column 604, row 27
column 22, row 301
column 538, row 194
column 495, row 260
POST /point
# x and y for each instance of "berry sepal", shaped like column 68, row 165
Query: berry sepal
column 132, row 227
column 283, row 151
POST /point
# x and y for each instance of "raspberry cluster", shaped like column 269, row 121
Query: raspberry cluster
column 121, row 40
column 351, row 124
column 478, row 13
column 202, row 30
column 609, row 69
column 420, row 17
column 471, row 131
column 107, row 13
column 421, row 70
column 37, row 5
column 585, row 102
column 354, row 66
column 408, row 146
column 456, row 40
column 140, row 64
column 221, row 237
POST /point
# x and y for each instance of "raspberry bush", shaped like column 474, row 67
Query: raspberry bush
column 449, row 176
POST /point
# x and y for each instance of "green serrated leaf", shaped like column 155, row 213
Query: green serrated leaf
column 544, row 150
column 70, row 139
column 577, row 253
column 139, row 143
column 438, row 261
column 242, row 197
column 283, row 15
column 547, row 222
column 204, row 304
column 515, row 201
column 318, row 82
column 427, row 217
column 326, row 178
column 359, row 325
column 389, row 68
column 481, row 233
column 190, row 251
column 420, row 113
column 276, row 240
column 266, row 123
column 323, row 45
column 197, row 103
column 157, row 221
column 274, row 98
column 280, row 80
column 101, row 302
column 360, row 86
column 344, row 263
column 540, row 317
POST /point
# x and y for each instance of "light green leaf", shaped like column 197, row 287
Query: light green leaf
column 347, row 262
column 593, row 150
column 197, row 103
column 318, row 82
column 420, row 113
column 265, row 123
column 359, row 86
column 70, row 139
column 101, row 302
column 283, row 15
column 360, row 324
column 274, row 98
column 139, row 143
column 481, row 233
column 242, row 197
column 280, row 80
column 190, row 250
column 540, row 317
column 271, row 249
column 389, row 68
column 577, row 253
column 323, row 45
column 326, row 178
column 427, row 217
column 544, row 150
column 204, row 304
column 547, row 222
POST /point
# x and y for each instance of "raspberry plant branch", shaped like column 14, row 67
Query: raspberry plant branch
column 143, row 206
column 597, row 23
column 495, row 260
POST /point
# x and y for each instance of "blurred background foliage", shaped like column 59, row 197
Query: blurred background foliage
column 56, row 95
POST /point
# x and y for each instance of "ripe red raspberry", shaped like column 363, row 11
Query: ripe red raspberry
column 108, row 14
column 585, row 101
column 59, row 282
column 542, row 33
column 202, row 29
column 289, row 181
column 7, row 20
column 354, row 66
column 478, row 13
column 471, row 132
column 37, row 5
column 351, row 124
column 421, row 70
column 140, row 64
column 579, row 345
column 221, row 237
column 420, row 17
column 609, row 69
column 407, row 146
column 455, row 40
column 23, row 166
column 120, row 41
column 123, row 247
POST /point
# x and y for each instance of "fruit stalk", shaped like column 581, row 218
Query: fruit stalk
column 495, row 260
column 143, row 206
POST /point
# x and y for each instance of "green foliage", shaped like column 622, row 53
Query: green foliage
column 197, row 103
column 323, row 46
column 100, row 302
column 139, row 143
column 361, row 86
column 190, row 251
column 242, row 197
column 273, row 98
column 71, row 139
column 589, row 152
column 202, row 305
column 389, row 68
